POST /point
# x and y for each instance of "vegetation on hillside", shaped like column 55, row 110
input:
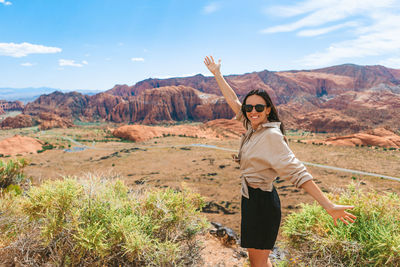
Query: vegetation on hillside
column 373, row 240
column 97, row 222
column 11, row 173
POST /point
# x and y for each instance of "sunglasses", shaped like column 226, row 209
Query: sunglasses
column 259, row 108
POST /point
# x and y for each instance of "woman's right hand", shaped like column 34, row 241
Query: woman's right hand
column 213, row 67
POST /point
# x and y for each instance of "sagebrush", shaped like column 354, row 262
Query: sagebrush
column 11, row 172
column 96, row 222
column 373, row 240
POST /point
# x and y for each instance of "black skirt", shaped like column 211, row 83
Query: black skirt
column 261, row 217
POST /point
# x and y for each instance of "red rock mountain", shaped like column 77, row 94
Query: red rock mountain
column 19, row 121
column 151, row 106
column 345, row 98
column 50, row 120
column 71, row 105
column 11, row 105
column 168, row 104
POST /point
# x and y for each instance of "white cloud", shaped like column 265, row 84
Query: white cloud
column 393, row 62
column 319, row 31
column 7, row 3
column 325, row 11
column 382, row 38
column 24, row 49
column 71, row 63
column 137, row 59
column 27, row 64
column 375, row 26
column 211, row 8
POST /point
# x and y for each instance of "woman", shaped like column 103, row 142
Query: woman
column 263, row 156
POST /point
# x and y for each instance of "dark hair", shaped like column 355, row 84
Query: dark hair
column 273, row 115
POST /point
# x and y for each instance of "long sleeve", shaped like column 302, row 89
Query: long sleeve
column 283, row 161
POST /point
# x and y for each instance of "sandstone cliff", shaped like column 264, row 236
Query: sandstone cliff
column 11, row 105
column 100, row 106
column 70, row 105
column 169, row 104
column 49, row 120
column 19, row 121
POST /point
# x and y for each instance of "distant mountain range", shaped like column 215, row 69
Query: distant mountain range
column 29, row 94
column 344, row 98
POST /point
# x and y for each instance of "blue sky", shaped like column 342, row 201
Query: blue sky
column 95, row 44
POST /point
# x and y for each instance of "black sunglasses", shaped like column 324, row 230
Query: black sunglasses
column 259, row 108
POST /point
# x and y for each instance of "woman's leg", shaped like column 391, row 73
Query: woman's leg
column 259, row 257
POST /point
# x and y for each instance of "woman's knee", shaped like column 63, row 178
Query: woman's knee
column 258, row 257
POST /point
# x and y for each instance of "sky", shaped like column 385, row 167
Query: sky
column 96, row 44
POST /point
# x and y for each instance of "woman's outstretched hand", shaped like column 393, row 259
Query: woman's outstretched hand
column 338, row 212
column 213, row 67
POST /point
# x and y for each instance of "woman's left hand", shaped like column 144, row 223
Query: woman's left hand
column 338, row 212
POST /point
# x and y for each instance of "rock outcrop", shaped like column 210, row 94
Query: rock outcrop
column 225, row 126
column 19, row 121
column 170, row 104
column 328, row 120
column 11, row 105
column 100, row 106
column 70, row 105
column 217, row 129
column 49, row 120
column 377, row 137
column 19, row 145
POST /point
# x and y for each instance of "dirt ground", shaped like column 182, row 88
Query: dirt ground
column 171, row 162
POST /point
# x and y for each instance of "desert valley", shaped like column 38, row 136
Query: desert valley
column 166, row 133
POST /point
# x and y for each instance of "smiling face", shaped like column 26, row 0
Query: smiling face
column 257, row 118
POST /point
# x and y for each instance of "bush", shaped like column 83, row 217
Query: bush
column 11, row 172
column 96, row 223
column 373, row 240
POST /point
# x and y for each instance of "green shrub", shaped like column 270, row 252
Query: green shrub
column 11, row 172
column 94, row 223
column 373, row 240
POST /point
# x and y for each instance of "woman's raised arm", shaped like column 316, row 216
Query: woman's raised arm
column 230, row 96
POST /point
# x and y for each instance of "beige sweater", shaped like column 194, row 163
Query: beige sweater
column 264, row 155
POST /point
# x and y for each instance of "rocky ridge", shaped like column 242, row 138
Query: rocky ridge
column 11, row 105
column 218, row 129
column 50, row 120
column 345, row 98
column 165, row 104
column 379, row 137
column 19, row 121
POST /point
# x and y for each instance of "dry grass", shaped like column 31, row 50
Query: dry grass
column 212, row 173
